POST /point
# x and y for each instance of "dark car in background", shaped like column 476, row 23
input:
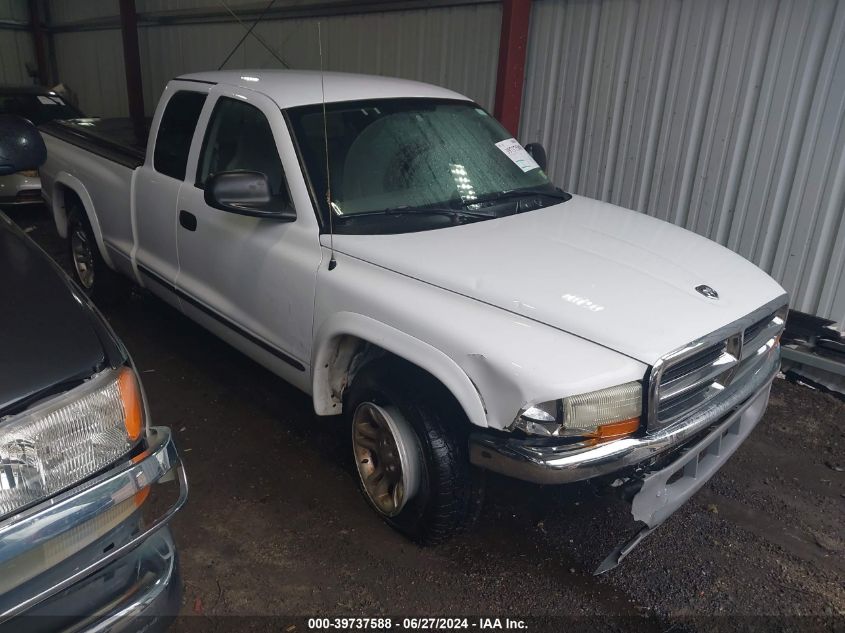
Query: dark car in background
column 87, row 485
column 38, row 105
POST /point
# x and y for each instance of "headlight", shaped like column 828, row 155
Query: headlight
column 602, row 414
column 63, row 440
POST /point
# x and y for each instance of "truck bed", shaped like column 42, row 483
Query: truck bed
column 123, row 141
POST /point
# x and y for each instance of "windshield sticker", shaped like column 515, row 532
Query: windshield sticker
column 50, row 100
column 516, row 152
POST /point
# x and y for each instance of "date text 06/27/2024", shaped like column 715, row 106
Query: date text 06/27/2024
column 415, row 624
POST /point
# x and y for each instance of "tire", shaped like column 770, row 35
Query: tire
column 446, row 496
column 89, row 269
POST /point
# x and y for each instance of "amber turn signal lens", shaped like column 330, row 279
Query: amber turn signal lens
column 141, row 496
column 617, row 429
column 130, row 394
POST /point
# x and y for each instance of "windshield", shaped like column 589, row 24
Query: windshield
column 397, row 158
column 38, row 108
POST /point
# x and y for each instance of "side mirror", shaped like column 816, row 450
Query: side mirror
column 538, row 153
column 21, row 145
column 246, row 193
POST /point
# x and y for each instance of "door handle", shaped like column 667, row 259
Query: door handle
column 188, row 220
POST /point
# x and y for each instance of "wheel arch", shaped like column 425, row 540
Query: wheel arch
column 347, row 341
column 66, row 186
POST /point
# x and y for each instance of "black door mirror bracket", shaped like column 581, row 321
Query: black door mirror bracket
column 538, row 153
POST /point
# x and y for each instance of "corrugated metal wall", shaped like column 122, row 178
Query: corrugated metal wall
column 16, row 47
column 90, row 63
column 456, row 47
column 724, row 116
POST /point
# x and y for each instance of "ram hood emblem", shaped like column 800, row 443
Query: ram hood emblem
column 707, row 291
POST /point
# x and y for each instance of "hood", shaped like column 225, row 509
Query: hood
column 51, row 336
column 616, row 277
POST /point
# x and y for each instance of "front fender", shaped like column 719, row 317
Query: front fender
column 494, row 362
column 349, row 324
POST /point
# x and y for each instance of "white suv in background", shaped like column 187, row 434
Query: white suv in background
column 38, row 105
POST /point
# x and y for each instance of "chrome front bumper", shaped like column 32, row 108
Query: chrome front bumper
column 19, row 190
column 559, row 464
column 664, row 490
column 141, row 591
column 132, row 564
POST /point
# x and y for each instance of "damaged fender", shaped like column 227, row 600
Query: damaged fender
column 332, row 374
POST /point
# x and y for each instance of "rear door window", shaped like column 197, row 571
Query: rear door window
column 176, row 131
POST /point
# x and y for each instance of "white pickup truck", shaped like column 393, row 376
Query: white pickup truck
column 388, row 248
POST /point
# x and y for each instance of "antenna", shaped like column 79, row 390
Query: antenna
column 332, row 260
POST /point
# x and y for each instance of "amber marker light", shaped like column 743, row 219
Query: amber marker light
column 130, row 395
column 615, row 430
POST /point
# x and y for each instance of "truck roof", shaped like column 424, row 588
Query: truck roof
column 290, row 88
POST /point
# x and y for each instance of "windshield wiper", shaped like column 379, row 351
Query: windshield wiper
column 398, row 211
column 555, row 193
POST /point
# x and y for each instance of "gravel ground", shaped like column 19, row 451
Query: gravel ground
column 274, row 524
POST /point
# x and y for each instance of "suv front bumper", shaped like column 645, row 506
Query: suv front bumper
column 113, row 564
column 140, row 591
column 19, row 190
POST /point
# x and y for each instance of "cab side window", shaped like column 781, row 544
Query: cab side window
column 176, row 131
column 239, row 138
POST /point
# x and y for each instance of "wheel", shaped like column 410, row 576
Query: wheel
column 409, row 442
column 90, row 271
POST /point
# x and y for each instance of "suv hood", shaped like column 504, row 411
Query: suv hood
column 616, row 277
column 52, row 337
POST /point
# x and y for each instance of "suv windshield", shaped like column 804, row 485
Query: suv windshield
column 400, row 165
column 38, row 108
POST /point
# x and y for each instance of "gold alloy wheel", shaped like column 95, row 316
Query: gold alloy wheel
column 387, row 455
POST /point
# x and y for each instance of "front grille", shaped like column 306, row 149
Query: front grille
column 693, row 363
column 695, row 375
column 754, row 330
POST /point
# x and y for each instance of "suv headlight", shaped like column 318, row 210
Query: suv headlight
column 63, row 440
column 603, row 414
